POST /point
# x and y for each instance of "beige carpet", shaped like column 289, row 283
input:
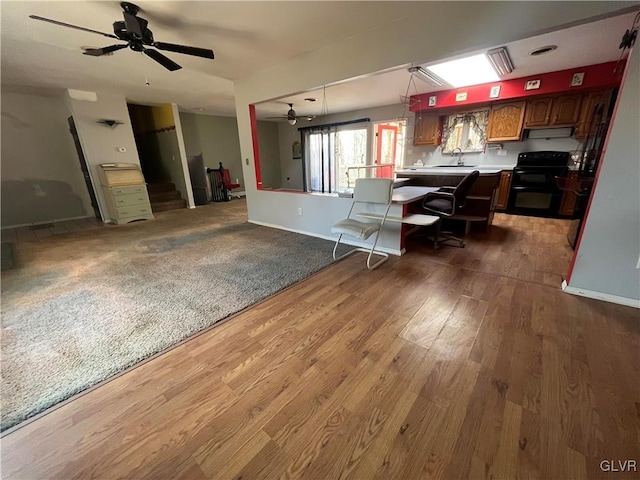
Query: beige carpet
column 81, row 307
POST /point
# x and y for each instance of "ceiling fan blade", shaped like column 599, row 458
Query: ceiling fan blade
column 172, row 47
column 97, row 52
column 166, row 62
column 62, row 24
column 132, row 25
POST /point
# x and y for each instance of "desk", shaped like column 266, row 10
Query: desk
column 410, row 194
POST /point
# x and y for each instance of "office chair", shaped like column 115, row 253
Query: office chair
column 445, row 201
column 226, row 181
column 221, row 185
column 368, row 191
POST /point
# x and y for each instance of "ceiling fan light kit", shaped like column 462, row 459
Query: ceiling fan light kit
column 291, row 117
column 134, row 31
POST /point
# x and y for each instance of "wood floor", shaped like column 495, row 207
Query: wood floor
column 456, row 364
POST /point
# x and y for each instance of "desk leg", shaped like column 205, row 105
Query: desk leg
column 404, row 228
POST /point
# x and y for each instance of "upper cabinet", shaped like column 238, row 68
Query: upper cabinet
column 589, row 104
column 426, row 131
column 553, row 111
column 505, row 122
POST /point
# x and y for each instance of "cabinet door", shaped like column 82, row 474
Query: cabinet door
column 589, row 102
column 538, row 112
column 566, row 110
column 505, row 122
column 503, row 190
column 426, row 129
column 568, row 201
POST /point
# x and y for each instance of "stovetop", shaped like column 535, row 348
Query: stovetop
column 543, row 159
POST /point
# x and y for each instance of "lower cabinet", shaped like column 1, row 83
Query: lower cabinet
column 503, row 190
column 569, row 198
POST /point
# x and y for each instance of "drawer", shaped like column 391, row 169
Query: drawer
column 134, row 210
column 128, row 190
column 130, row 199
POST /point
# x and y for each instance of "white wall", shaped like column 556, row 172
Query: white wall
column 41, row 176
column 216, row 138
column 609, row 250
column 290, row 168
column 100, row 143
column 419, row 38
column 269, row 144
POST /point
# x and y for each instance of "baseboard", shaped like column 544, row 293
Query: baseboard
column 47, row 221
column 390, row 251
column 605, row 297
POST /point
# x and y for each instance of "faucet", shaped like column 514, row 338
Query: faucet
column 460, row 160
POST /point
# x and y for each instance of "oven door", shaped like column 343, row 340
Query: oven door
column 538, row 178
column 537, row 202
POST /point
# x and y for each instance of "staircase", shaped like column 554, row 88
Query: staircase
column 164, row 196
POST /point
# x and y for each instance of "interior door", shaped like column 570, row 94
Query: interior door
column 386, row 149
column 84, row 168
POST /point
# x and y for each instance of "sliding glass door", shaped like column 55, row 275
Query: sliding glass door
column 330, row 156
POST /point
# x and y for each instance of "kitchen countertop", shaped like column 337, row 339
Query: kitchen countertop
column 453, row 170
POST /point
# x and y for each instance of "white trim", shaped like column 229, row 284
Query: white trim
column 391, row 251
column 605, row 297
column 50, row 221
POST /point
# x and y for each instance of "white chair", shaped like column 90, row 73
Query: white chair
column 372, row 191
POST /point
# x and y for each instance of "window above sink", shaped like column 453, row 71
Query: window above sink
column 466, row 131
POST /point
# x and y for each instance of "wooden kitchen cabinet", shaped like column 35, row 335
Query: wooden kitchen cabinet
column 589, row 102
column 538, row 112
column 553, row 111
column 565, row 110
column 426, row 131
column 505, row 122
column 569, row 198
column 503, row 190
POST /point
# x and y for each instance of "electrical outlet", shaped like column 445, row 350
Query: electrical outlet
column 300, row 211
column 502, row 153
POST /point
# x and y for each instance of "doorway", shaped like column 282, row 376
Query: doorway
column 388, row 152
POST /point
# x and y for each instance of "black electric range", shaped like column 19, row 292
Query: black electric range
column 534, row 190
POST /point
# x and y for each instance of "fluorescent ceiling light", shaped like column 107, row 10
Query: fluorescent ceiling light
column 427, row 77
column 499, row 58
column 466, row 71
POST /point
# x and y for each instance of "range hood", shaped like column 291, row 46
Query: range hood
column 559, row 132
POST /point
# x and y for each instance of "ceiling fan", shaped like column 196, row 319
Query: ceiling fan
column 134, row 31
column 291, row 116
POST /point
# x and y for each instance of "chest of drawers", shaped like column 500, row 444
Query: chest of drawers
column 125, row 193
